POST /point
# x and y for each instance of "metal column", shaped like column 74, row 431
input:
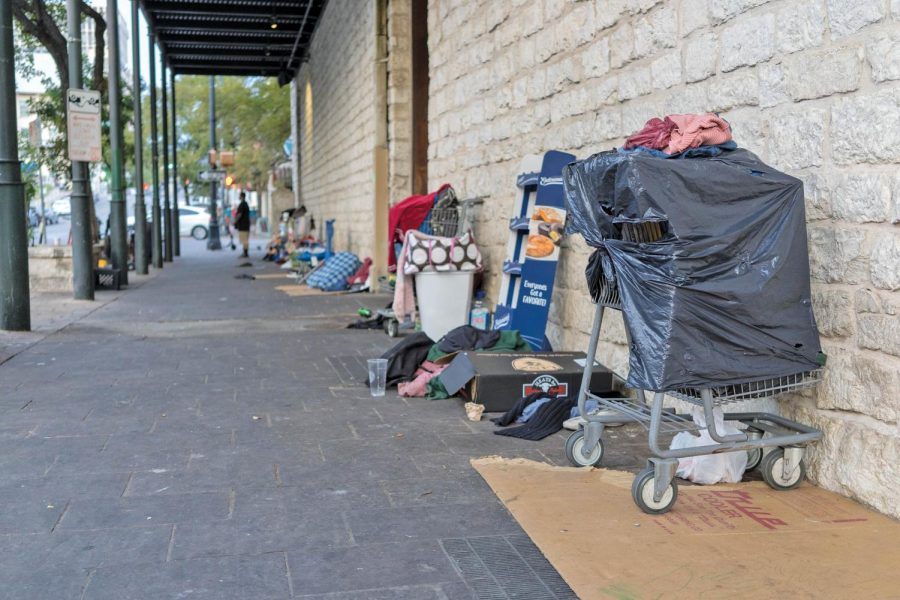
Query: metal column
column 214, row 242
column 154, row 152
column 167, row 209
column 82, row 250
column 117, row 213
column 176, row 225
column 15, row 309
column 140, row 209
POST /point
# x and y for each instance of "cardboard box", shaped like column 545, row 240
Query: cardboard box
column 719, row 541
column 497, row 380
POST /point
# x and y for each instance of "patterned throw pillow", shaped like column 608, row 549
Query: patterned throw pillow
column 433, row 253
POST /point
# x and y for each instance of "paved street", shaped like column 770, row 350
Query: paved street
column 202, row 436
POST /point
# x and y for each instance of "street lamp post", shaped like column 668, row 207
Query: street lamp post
column 154, row 152
column 214, row 242
column 117, row 212
column 176, row 225
column 15, row 305
column 140, row 209
column 82, row 250
column 167, row 208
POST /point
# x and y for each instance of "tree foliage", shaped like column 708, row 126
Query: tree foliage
column 40, row 24
column 253, row 119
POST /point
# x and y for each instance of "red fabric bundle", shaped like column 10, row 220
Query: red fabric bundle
column 655, row 134
column 408, row 214
column 362, row 273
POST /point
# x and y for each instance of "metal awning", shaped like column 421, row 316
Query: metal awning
column 234, row 37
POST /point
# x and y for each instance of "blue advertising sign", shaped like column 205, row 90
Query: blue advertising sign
column 536, row 231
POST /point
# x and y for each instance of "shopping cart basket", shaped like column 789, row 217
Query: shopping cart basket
column 654, row 489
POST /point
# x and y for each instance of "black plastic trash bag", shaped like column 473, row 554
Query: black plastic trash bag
column 723, row 297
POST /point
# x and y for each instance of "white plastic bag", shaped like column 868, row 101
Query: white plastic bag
column 726, row 467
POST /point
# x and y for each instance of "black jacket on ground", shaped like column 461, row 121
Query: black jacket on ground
column 547, row 420
column 405, row 357
column 466, row 337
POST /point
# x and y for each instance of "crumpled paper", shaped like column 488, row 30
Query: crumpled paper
column 474, row 411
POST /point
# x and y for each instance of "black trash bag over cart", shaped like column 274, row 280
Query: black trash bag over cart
column 722, row 295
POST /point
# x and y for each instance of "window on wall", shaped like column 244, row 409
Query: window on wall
column 24, row 109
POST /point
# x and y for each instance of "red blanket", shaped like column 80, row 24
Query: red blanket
column 408, row 214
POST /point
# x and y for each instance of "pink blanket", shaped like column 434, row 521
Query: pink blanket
column 418, row 386
column 691, row 131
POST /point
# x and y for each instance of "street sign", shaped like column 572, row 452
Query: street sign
column 218, row 176
column 83, row 125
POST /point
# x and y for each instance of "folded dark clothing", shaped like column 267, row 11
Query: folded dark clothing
column 515, row 412
column 548, row 419
column 466, row 337
column 406, row 356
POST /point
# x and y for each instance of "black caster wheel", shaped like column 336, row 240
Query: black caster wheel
column 392, row 327
column 772, row 469
column 642, row 493
column 754, row 457
column 575, row 454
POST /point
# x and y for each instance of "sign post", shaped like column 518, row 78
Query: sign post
column 83, row 125
column 217, row 176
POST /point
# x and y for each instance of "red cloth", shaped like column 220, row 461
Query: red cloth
column 692, row 131
column 362, row 273
column 408, row 214
column 655, row 134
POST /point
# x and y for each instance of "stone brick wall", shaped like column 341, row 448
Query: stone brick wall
column 337, row 124
column 812, row 86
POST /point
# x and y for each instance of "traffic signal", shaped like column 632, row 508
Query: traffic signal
column 229, row 180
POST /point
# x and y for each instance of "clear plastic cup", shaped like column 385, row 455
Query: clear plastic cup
column 377, row 376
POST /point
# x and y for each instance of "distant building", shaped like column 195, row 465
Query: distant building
column 88, row 42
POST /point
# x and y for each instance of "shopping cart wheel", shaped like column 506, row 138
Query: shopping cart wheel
column 772, row 469
column 754, row 457
column 642, row 492
column 392, row 327
column 575, row 447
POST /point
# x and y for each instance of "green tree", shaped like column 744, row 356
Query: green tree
column 253, row 120
column 40, row 24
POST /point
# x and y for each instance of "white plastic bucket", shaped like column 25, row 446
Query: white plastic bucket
column 444, row 300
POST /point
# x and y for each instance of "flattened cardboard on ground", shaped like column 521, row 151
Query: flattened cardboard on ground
column 304, row 290
column 723, row 541
column 498, row 379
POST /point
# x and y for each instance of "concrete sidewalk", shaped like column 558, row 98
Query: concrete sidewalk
column 207, row 437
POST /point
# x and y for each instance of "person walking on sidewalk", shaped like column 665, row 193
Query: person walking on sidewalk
column 242, row 224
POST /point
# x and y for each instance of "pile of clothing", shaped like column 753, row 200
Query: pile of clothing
column 538, row 415
column 677, row 135
column 414, row 363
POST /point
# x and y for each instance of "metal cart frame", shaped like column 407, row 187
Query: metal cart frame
column 654, row 489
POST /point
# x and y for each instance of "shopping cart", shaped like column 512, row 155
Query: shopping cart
column 456, row 218
column 654, row 489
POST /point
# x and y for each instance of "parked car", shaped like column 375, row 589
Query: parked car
column 192, row 220
column 62, row 207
